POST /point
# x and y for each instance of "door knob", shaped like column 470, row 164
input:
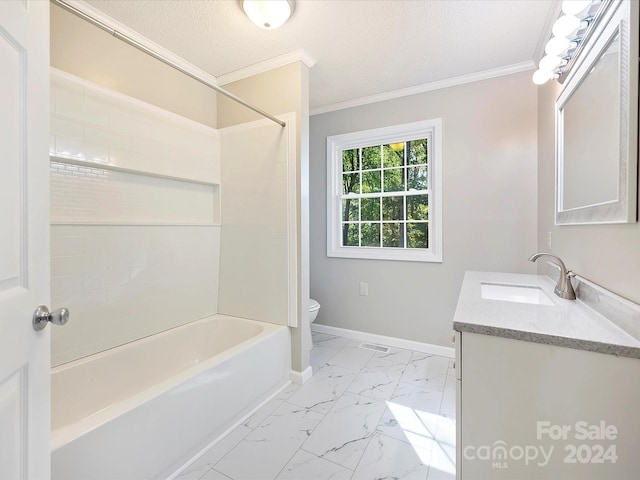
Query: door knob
column 42, row 316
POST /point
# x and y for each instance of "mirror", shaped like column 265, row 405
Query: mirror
column 596, row 127
column 590, row 162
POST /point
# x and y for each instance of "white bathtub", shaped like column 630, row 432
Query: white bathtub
column 143, row 409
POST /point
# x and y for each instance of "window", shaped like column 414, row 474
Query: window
column 385, row 194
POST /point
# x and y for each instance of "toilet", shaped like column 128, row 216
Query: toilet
column 314, row 307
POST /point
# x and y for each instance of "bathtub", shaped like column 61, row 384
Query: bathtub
column 143, row 409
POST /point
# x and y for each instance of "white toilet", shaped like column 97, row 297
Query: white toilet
column 314, row 307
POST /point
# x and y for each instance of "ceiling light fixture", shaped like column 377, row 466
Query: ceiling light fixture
column 268, row 14
column 568, row 31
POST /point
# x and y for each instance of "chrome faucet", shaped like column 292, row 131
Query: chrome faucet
column 563, row 289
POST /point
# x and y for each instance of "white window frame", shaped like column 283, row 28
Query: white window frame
column 336, row 144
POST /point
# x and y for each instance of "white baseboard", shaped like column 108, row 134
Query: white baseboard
column 301, row 377
column 384, row 340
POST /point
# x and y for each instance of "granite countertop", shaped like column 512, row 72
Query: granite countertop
column 565, row 323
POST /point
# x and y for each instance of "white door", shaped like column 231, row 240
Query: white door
column 24, row 238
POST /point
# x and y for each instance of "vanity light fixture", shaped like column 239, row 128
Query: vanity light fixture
column 568, row 31
column 565, row 25
column 268, row 14
column 575, row 7
column 557, row 45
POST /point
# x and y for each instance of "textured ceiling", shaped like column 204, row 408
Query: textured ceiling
column 362, row 47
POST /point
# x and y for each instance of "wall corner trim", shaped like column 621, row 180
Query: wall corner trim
column 299, row 55
column 448, row 352
column 301, row 377
column 426, row 87
column 141, row 39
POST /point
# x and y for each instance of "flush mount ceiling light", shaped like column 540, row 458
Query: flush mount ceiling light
column 568, row 31
column 268, row 14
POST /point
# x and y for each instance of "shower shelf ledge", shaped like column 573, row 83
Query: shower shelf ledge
column 56, row 157
column 133, row 223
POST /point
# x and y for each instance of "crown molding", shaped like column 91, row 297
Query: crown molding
column 426, row 87
column 545, row 33
column 141, row 39
column 299, row 55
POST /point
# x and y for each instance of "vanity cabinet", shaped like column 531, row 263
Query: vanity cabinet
column 530, row 410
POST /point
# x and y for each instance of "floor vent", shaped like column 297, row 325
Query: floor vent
column 376, row 348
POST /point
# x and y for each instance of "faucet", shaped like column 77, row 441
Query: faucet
column 563, row 289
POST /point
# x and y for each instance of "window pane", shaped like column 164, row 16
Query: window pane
column 383, row 207
column 418, row 207
column 370, row 209
column 418, row 235
column 394, row 180
column 351, row 183
column 417, row 178
column 393, row 208
column 393, row 155
column 417, row 152
column 350, row 160
column 393, row 235
column 371, row 181
column 350, row 210
column 370, row 158
column 370, row 235
column 350, row 234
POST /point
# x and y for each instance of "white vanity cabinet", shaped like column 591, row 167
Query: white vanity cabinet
column 529, row 410
column 544, row 391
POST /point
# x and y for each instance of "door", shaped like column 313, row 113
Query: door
column 24, row 238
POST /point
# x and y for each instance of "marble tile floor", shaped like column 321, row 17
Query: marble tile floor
column 363, row 415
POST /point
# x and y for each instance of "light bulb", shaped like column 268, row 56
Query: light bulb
column 565, row 25
column 549, row 62
column 541, row 76
column 574, row 7
column 557, row 45
column 268, row 14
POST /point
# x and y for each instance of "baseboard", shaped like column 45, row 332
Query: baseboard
column 301, row 377
column 384, row 340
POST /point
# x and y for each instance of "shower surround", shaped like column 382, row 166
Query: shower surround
column 153, row 365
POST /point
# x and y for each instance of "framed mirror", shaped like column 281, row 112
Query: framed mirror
column 597, row 125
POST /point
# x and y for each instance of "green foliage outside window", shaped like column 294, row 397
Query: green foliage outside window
column 370, row 236
column 372, row 181
column 371, row 158
column 387, row 202
column 350, row 162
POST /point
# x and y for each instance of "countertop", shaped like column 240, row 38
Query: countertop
column 566, row 323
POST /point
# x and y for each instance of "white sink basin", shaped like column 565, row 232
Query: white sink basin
column 514, row 293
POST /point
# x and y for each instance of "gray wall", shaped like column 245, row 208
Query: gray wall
column 489, row 208
column 608, row 255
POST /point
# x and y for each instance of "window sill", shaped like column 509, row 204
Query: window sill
column 374, row 253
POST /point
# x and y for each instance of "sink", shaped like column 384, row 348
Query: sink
column 514, row 293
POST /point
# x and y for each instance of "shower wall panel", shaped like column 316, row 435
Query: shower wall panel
column 258, row 247
column 93, row 124
column 125, row 282
column 135, row 214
